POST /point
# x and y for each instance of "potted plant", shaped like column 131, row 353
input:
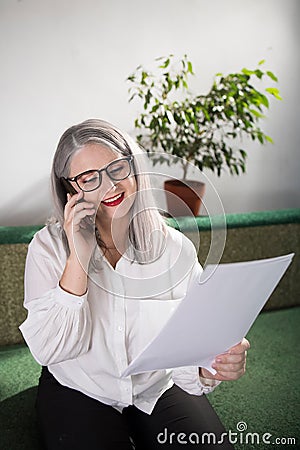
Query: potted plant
column 199, row 129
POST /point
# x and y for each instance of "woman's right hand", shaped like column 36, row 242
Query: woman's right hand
column 79, row 226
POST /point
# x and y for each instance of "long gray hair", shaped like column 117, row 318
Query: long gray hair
column 145, row 243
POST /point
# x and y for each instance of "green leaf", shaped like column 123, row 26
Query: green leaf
column 272, row 76
column 190, row 68
column 260, row 137
column 132, row 97
column 274, row 92
column 196, row 126
column 264, row 100
column 144, row 77
column 242, row 166
column 165, row 64
column 169, row 116
column 147, row 98
column 155, row 108
column 256, row 113
column 262, row 61
column 236, row 169
column 207, row 116
column 269, row 139
column 243, row 153
column 259, row 73
column 247, row 71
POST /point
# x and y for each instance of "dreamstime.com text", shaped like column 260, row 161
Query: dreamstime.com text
column 241, row 436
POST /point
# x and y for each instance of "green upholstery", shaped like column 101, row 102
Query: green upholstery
column 18, row 235
column 240, row 220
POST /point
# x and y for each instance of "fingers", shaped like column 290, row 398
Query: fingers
column 226, row 375
column 230, row 369
column 77, row 202
column 232, row 365
column 80, row 215
column 240, row 347
column 225, row 367
column 77, row 209
column 231, row 359
column 73, row 200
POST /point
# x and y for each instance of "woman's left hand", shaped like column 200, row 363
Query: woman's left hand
column 230, row 365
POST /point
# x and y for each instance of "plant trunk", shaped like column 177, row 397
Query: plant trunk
column 185, row 169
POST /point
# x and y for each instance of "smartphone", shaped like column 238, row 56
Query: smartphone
column 68, row 186
column 88, row 220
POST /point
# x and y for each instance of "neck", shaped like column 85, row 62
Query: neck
column 114, row 233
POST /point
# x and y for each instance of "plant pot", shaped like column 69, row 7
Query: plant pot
column 184, row 197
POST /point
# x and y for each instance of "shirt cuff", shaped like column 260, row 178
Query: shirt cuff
column 208, row 383
column 189, row 380
column 67, row 299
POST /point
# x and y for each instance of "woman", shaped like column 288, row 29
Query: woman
column 100, row 281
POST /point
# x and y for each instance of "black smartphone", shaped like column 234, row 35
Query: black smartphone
column 68, row 186
column 89, row 220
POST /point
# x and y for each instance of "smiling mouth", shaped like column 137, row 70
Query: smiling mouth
column 114, row 201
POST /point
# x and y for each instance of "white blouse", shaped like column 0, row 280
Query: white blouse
column 87, row 341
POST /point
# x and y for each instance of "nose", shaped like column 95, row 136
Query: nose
column 107, row 185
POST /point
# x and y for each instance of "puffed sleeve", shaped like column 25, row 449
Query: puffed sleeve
column 187, row 378
column 58, row 325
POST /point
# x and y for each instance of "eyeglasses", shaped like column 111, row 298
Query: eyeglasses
column 117, row 170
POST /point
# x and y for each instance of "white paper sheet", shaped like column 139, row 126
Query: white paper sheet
column 215, row 315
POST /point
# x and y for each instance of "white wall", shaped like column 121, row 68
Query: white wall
column 63, row 61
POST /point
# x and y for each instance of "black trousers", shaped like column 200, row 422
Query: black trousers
column 70, row 420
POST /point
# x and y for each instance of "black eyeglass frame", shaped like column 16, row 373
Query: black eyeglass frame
column 104, row 169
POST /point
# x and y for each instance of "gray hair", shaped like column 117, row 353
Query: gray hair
column 145, row 243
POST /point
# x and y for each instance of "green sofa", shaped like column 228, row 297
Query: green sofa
column 265, row 400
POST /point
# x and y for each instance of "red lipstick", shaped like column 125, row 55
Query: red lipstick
column 114, row 201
